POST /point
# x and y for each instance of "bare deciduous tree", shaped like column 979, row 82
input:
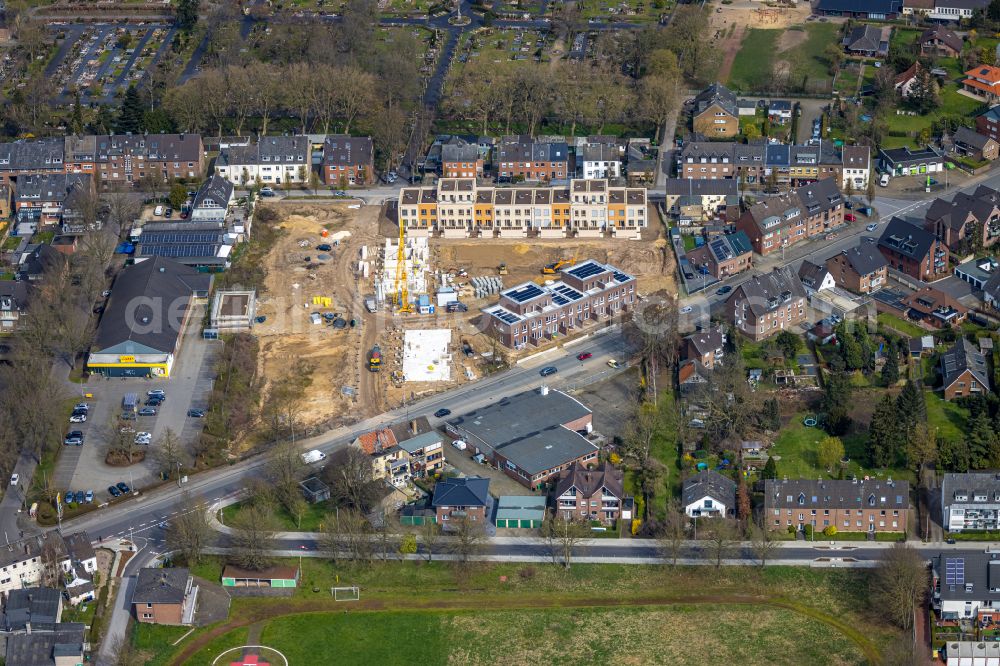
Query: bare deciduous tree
column 762, row 541
column 469, row 536
column 563, row 533
column 169, row 453
column 189, row 532
column 430, row 536
column 721, row 538
column 254, row 528
column 899, row 583
column 671, row 536
column 349, row 475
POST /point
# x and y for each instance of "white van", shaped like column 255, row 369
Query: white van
column 884, row 180
column 459, row 444
column 158, row 211
column 314, row 456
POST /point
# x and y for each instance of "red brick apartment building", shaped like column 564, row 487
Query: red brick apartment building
column 524, row 158
column 805, row 212
column 348, row 160
column 164, row 596
column 860, row 269
column 130, row 158
column 766, row 304
column 849, row 505
column 913, row 250
column 461, row 161
column 585, row 293
column 591, row 494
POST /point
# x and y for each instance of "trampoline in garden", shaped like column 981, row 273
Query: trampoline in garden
column 809, row 422
column 702, row 466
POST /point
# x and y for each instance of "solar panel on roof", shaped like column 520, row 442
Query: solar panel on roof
column 954, row 571
column 560, row 300
column 586, row 270
column 621, row 277
column 720, row 250
column 569, row 292
column 525, row 293
column 506, row 317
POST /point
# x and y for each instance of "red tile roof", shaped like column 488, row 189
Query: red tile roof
column 377, row 440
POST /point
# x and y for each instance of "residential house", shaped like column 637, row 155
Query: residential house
column 861, row 269
column 823, row 333
column 425, row 452
column 815, row 277
column 956, row 10
column 598, row 160
column 856, row 167
column 715, row 113
column 983, row 81
column 970, row 501
column 975, row 145
column 964, row 371
column 850, row 505
column 939, row 40
column 906, row 162
column 164, row 596
column 583, row 493
column 132, row 158
column 524, row 158
column 38, row 260
column 273, row 160
column 642, row 161
column 165, row 292
column 779, row 111
column 531, row 436
column 723, row 255
column 988, row 123
column 80, row 153
column 25, row 563
column 585, row 293
column 81, row 552
column 876, row 10
column 389, row 462
column 461, row 161
column 958, row 221
column 520, row 511
column 708, row 494
column 807, row 211
column 13, row 303
column 212, row 201
column 349, row 160
column 908, row 78
column 461, row 208
column 39, row 199
column 63, row 646
column 868, row 41
column 463, row 497
column 706, row 346
column 965, row 585
column 701, row 199
column 765, row 304
column 32, row 609
column 26, row 157
column 691, row 375
column 934, row 307
column 973, row 653
column 706, row 160
column 913, row 250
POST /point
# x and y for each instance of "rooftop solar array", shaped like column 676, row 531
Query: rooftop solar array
column 954, row 571
column 621, row 277
column 721, row 250
column 179, row 237
column 524, row 293
column 177, row 251
column 586, row 270
column 505, row 316
column 567, row 292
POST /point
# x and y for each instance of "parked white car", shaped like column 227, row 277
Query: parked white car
column 459, row 444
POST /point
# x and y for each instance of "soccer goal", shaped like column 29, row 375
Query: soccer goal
column 346, row 593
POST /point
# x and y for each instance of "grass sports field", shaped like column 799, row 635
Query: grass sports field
column 519, row 613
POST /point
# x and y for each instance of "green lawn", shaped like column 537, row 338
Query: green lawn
column 952, row 104
column 155, row 641
column 946, row 417
column 901, row 325
column 754, row 65
column 688, row 242
column 312, row 521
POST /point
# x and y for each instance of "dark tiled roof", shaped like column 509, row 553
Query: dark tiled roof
column 590, row 481
column 216, row 189
column 699, row 187
column 944, row 35
column 157, row 280
column 967, row 575
column 836, row 494
column 864, row 38
column 970, row 484
column 770, row 291
column 980, row 205
column 961, row 357
column 719, row 94
column 463, row 491
column 36, row 605
column 905, row 156
column 865, row 258
column 707, row 341
column 812, row 275
column 78, row 545
column 711, row 483
column 340, row 149
column 907, row 239
column 970, row 137
column 160, row 586
column 885, row 7
column 42, row 649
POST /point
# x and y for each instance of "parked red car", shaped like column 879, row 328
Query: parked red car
column 850, row 217
column 584, row 356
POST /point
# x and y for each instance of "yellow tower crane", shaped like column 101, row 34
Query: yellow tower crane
column 400, row 292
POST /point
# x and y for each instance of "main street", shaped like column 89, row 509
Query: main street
column 143, row 514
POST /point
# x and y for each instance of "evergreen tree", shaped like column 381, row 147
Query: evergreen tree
column 911, row 405
column 890, row 371
column 993, row 10
column 981, row 441
column 849, row 348
column 866, row 348
column 836, row 403
column 771, row 419
column 130, row 117
column 76, row 124
column 884, row 436
column 187, row 14
column 770, row 469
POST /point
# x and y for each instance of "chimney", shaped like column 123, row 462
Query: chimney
column 413, row 427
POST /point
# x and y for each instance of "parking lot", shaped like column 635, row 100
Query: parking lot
column 188, row 387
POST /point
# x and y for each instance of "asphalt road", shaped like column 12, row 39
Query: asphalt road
column 142, row 515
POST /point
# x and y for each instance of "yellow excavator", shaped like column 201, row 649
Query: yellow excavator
column 553, row 268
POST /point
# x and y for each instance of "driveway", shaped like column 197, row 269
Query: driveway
column 811, row 110
column 500, row 483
